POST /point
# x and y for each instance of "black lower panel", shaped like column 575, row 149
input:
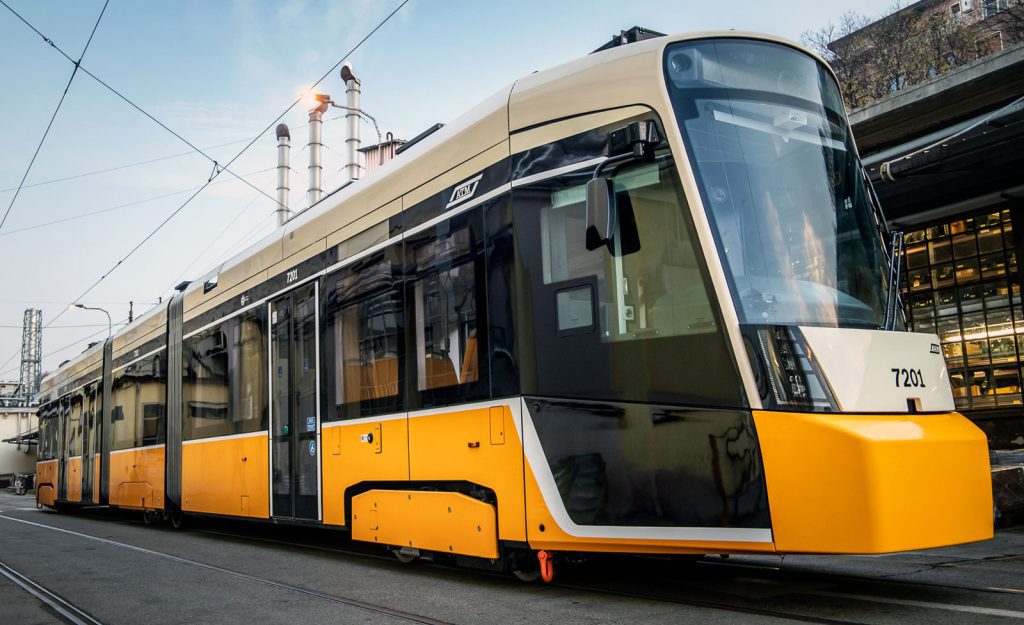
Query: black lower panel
column 644, row 465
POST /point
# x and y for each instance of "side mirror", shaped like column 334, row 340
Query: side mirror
column 633, row 142
column 600, row 207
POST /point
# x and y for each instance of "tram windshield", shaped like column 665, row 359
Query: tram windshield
column 768, row 140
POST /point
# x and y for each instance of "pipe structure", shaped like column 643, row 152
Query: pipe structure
column 353, row 92
column 284, row 139
column 315, row 144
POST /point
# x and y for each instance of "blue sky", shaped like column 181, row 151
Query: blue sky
column 219, row 72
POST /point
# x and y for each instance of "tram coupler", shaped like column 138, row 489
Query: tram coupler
column 547, row 565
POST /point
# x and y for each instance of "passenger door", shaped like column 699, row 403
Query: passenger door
column 295, row 405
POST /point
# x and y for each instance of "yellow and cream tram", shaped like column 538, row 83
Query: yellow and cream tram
column 640, row 302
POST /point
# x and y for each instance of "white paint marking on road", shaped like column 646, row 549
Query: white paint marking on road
column 952, row 607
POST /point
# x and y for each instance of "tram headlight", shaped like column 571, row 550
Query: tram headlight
column 788, row 377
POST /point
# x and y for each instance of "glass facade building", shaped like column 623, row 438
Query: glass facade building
column 961, row 282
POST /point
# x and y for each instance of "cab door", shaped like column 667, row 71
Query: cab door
column 295, row 405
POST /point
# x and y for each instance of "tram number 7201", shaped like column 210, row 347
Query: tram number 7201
column 910, row 377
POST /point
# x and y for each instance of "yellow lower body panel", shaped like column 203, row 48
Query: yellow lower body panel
column 874, row 483
column 435, row 521
column 75, row 479
column 358, row 453
column 226, row 476
column 46, row 482
column 137, row 478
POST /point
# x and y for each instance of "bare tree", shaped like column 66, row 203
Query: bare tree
column 843, row 46
column 908, row 45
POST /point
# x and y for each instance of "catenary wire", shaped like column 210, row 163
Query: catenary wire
column 217, row 169
column 215, row 239
column 80, row 325
column 69, row 345
column 97, row 172
column 158, row 159
column 120, row 206
column 42, row 140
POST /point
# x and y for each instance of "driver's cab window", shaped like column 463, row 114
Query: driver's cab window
column 648, row 277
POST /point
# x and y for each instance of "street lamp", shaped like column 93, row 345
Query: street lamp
column 110, row 324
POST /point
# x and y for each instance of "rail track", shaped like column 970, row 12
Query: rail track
column 665, row 580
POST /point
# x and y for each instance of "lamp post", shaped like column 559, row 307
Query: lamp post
column 110, row 324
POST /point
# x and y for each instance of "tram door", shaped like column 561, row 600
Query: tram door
column 294, row 409
column 62, row 464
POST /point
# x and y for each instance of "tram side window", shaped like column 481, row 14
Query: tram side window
column 151, row 379
column 446, row 295
column 90, row 419
column 247, row 362
column 47, row 432
column 96, row 403
column 138, row 392
column 124, row 418
column 204, row 388
column 364, row 338
column 618, row 322
column 74, row 425
column 52, row 430
column 501, row 298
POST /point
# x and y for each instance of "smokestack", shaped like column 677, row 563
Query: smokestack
column 284, row 139
column 316, row 116
column 352, row 93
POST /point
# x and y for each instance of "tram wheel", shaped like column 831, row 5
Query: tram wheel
column 404, row 558
column 525, row 567
column 149, row 517
column 176, row 519
column 527, row 576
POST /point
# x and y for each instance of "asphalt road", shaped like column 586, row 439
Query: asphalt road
column 113, row 569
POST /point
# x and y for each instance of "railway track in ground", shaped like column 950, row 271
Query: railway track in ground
column 693, row 575
column 333, row 598
column 675, row 580
column 58, row 605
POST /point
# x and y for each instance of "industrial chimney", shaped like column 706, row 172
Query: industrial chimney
column 352, row 93
column 284, row 139
column 315, row 144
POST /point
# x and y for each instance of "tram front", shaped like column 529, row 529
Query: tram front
column 854, row 416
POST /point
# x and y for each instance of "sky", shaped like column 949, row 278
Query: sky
column 218, row 73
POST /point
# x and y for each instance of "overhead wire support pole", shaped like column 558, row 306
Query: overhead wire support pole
column 78, row 66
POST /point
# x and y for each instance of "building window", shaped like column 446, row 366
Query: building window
column 990, row 44
column 961, row 283
column 991, row 7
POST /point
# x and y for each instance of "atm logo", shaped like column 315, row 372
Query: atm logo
column 464, row 191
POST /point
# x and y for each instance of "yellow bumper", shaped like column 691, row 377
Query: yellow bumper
column 874, row 483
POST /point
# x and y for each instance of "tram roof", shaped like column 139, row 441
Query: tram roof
column 479, row 137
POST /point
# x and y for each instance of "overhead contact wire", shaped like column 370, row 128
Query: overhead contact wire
column 208, row 182
column 67, row 87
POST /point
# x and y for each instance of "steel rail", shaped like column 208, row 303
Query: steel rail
column 355, row 603
column 61, row 606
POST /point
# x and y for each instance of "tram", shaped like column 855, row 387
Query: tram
column 642, row 302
